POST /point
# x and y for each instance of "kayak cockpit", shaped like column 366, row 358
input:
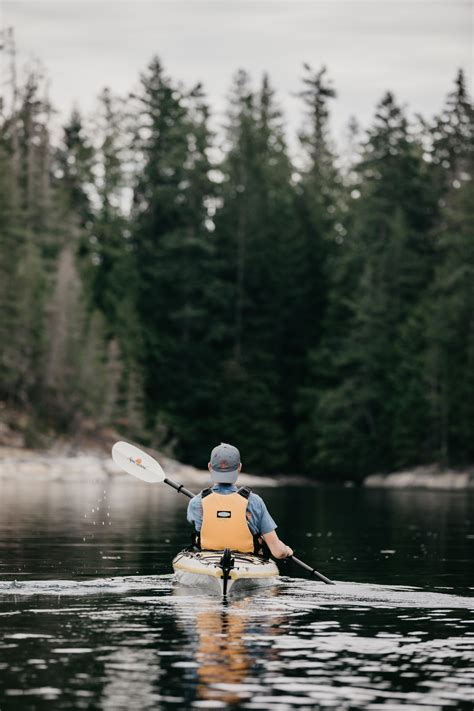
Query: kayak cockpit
column 223, row 571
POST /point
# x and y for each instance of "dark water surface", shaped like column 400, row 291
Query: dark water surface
column 90, row 617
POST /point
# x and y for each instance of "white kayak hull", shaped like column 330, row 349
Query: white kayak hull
column 202, row 569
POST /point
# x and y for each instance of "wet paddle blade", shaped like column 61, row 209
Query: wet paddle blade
column 137, row 463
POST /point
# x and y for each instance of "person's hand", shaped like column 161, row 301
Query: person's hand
column 278, row 549
column 283, row 552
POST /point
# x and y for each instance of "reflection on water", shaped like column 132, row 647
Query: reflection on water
column 222, row 644
column 299, row 646
column 90, row 617
column 221, row 656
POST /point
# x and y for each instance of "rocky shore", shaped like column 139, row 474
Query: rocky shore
column 88, row 465
column 427, row 477
column 93, row 466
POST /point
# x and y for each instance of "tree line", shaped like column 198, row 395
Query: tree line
column 188, row 286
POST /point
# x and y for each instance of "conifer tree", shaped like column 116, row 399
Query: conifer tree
column 171, row 242
column 66, row 322
column 449, row 304
column 9, row 258
column 388, row 258
column 452, row 137
column 74, row 167
column 99, row 370
column 257, row 250
column 111, row 257
column 24, row 150
column 319, row 191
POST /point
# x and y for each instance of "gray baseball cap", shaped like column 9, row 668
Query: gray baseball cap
column 225, row 462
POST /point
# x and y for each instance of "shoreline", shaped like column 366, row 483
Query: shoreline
column 94, row 465
column 431, row 477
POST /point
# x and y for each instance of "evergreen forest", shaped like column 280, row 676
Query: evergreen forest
column 187, row 284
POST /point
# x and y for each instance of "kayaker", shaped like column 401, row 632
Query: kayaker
column 225, row 516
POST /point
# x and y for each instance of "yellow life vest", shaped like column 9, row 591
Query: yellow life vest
column 224, row 522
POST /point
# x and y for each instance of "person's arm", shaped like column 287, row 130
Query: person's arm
column 278, row 549
column 194, row 513
column 262, row 524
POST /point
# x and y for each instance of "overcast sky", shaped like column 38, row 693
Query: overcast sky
column 412, row 47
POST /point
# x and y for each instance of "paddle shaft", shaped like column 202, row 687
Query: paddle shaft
column 311, row 570
column 180, row 489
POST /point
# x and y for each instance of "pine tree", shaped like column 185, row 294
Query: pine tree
column 172, row 246
column 22, row 349
column 452, row 139
column 66, row 323
column 110, row 259
column 319, row 191
column 259, row 264
column 74, row 163
column 449, row 305
column 99, row 371
column 10, row 241
column 388, row 259
column 24, row 150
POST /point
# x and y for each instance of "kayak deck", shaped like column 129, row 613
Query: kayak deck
column 204, row 569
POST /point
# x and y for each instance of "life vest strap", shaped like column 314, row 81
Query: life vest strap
column 244, row 491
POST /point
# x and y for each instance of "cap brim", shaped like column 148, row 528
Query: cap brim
column 221, row 477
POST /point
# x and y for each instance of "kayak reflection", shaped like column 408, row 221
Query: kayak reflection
column 224, row 645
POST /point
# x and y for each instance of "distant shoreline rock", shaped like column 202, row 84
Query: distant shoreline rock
column 424, row 477
column 93, row 466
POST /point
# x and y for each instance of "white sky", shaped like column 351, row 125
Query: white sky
column 412, row 47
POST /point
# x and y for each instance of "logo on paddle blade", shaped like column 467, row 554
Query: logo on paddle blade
column 137, row 461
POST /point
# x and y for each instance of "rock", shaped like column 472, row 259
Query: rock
column 10, row 437
column 426, row 477
column 83, row 466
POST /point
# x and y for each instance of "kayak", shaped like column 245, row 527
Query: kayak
column 195, row 567
column 223, row 571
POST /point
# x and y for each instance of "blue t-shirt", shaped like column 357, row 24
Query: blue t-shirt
column 259, row 521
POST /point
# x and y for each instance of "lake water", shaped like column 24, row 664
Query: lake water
column 90, row 617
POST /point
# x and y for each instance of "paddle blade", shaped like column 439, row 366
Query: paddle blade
column 137, row 463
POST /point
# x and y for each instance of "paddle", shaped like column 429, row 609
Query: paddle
column 311, row 570
column 144, row 467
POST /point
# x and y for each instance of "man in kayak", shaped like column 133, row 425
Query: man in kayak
column 227, row 517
